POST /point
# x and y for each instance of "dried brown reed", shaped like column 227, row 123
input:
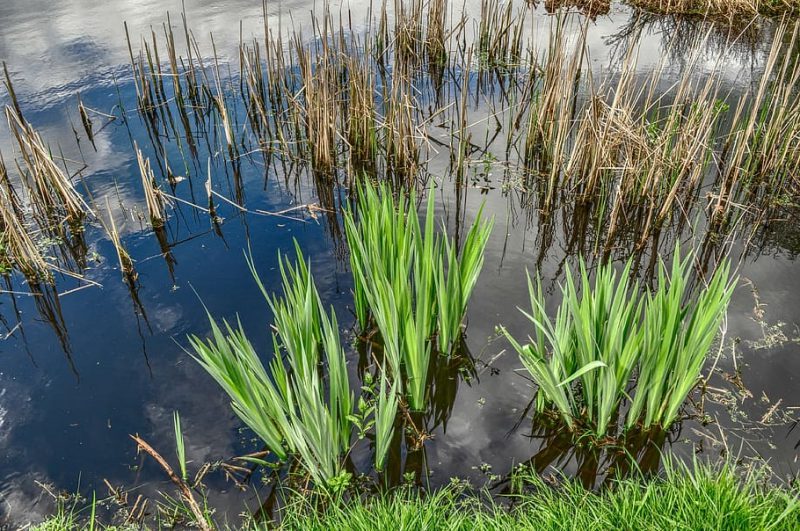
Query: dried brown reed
column 154, row 198
column 319, row 90
column 51, row 192
column 401, row 133
column 19, row 248
column 436, row 33
column 500, row 35
column 760, row 159
column 720, row 8
column 550, row 117
column 409, row 34
column 88, row 126
column 359, row 109
column 124, row 259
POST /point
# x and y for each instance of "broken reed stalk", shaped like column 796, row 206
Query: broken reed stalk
column 10, row 89
column 360, row 125
column 154, row 198
column 616, row 143
column 11, row 193
column 51, row 192
column 183, row 487
column 222, row 109
column 85, row 120
column 21, row 251
column 320, row 87
column 212, row 209
column 125, row 261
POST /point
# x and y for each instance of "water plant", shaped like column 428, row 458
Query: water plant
column 609, row 342
column 679, row 326
column 399, row 284
column 385, row 415
column 454, row 284
column 180, row 447
column 286, row 405
column 410, row 281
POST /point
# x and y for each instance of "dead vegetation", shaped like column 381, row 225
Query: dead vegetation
column 423, row 94
column 729, row 9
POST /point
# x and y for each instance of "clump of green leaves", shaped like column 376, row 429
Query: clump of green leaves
column 180, row 448
column 610, row 342
column 291, row 406
column 411, row 282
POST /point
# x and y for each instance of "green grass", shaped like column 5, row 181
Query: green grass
column 71, row 515
column 611, row 343
column 685, row 498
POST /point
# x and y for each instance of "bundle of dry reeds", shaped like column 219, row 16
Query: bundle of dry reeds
column 154, row 198
column 51, row 193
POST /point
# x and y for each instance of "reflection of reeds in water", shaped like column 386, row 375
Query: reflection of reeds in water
column 639, row 453
column 609, row 344
column 48, row 305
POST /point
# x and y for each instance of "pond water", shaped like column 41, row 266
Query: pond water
column 81, row 371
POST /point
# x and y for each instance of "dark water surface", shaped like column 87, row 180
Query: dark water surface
column 86, row 369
